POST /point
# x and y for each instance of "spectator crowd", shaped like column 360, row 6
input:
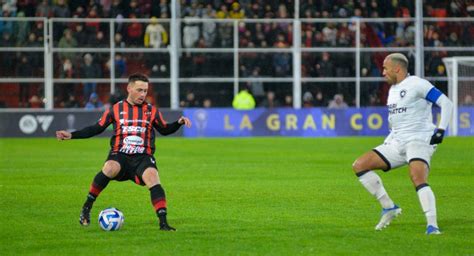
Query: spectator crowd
column 208, row 24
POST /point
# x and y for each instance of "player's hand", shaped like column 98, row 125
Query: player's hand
column 63, row 135
column 184, row 120
column 437, row 137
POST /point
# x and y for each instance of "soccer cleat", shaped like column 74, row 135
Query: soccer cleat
column 432, row 230
column 387, row 216
column 85, row 217
column 166, row 227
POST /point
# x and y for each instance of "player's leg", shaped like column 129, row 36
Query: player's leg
column 158, row 199
column 101, row 180
column 363, row 168
column 419, row 170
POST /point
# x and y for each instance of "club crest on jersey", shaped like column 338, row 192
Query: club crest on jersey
column 403, row 93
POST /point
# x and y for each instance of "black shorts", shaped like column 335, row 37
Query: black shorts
column 132, row 167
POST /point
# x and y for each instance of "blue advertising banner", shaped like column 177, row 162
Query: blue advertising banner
column 466, row 121
column 309, row 122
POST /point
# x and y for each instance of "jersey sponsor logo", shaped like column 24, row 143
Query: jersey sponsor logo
column 133, row 140
column 397, row 111
column 132, row 149
column 392, row 109
column 122, row 121
column 403, row 93
column 128, row 129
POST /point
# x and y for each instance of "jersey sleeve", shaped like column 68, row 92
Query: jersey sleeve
column 446, row 106
column 97, row 128
column 158, row 120
column 435, row 96
column 106, row 118
column 428, row 91
column 162, row 126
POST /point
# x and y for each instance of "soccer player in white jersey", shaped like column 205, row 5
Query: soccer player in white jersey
column 412, row 140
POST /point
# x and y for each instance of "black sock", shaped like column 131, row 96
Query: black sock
column 162, row 216
column 158, row 199
column 98, row 184
column 89, row 201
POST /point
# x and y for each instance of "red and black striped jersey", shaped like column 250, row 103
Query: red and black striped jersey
column 133, row 127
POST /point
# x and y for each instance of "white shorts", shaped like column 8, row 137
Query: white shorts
column 396, row 153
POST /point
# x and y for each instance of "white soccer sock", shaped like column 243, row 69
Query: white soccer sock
column 372, row 182
column 428, row 204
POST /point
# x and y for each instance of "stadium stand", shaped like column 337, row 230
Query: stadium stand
column 195, row 34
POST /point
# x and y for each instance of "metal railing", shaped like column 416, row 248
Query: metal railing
column 175, row 49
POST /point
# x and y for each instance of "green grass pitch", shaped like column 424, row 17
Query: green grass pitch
column 255, row 196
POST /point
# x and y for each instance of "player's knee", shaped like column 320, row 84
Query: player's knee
column 111, row 173
column 358, row 166
column 111, row 169
column 150, row 177
column 417, row 178
column 418, row 173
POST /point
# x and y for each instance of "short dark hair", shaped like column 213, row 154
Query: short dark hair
column 137, row 77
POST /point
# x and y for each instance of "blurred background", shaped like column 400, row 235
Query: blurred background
column 198, row 53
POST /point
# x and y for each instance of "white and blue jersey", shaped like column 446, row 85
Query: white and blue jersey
column 409, row 105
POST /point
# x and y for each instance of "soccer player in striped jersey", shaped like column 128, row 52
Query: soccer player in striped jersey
column 132, row 147
column 412, row 140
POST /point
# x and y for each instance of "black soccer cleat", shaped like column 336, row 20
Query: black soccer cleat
column 166, row 227
column 85, row 217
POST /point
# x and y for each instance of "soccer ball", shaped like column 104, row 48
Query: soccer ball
column 111, row 219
